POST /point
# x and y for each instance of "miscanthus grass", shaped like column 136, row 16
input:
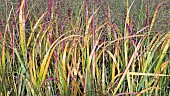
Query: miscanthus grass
column 84, row 47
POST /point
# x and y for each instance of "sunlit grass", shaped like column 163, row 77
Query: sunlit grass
column 83, row 47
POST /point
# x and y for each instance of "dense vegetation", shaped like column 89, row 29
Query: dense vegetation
column 84, row 47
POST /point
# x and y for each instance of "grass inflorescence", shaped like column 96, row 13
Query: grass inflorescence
column 84, row 47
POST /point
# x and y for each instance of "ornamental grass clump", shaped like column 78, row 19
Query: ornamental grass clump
column 83, row 47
